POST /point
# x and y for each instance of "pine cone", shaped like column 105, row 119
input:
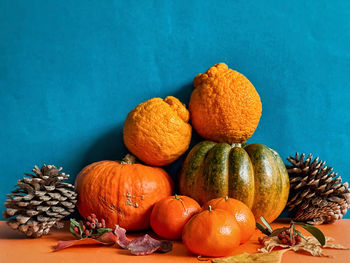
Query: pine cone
column 40, row 201
column 316, row 193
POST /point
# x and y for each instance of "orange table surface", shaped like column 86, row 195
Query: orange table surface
column 14, row 247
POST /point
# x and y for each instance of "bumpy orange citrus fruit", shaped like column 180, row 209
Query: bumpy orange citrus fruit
column 157, row 131
column 224, row 106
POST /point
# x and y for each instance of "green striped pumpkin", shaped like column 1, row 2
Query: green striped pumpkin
column 254, row 174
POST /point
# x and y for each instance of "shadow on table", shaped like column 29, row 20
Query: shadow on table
column 7, row 233
column 56, row 233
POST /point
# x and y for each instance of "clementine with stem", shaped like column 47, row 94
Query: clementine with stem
column 170, row 215
column 212, row 233
column 242, row 213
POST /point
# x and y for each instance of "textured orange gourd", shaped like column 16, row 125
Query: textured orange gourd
column 244, row 216
column 170, row 215
column 224, row 105
column 157, row 131
column 122, row 193
column 212, row 233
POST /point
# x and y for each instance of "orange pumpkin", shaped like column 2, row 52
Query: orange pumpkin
column 170, row 215
column 244, row 216
column 212, row 233
column 122, row 193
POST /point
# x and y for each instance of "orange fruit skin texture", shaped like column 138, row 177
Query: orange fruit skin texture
column 157, row 131
column 122, row 194
column 212, row 233
column 170, row 215
column 224, row 106
column 244, row 216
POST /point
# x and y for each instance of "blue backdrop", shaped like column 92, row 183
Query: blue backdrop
column 70, row 71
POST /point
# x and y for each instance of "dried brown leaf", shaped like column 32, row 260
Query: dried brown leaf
column 310, row 245
column 273, row 257
column 331, row 245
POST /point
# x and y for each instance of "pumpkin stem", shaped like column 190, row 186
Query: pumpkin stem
column 209, row 208
column 233, row 145
column 226, row 197
column 176, row 197
column 128, row 159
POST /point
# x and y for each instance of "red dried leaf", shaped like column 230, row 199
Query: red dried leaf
column 141, row 246
column 107, row 239
column 146, row 245
column 122, row 240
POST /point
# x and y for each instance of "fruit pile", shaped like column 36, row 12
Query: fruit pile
column 235, row 183
column 226, row 186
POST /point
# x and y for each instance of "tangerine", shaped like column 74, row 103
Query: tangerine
column 244, row 216
column 212, row 233
column 170, row 215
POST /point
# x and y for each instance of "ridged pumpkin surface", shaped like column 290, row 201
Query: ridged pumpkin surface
column 224, row 105
column 254, row 174
column 157, row 131
column 122, row 194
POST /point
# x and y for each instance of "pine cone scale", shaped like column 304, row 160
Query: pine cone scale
column 40, row 201
column 317, row 194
